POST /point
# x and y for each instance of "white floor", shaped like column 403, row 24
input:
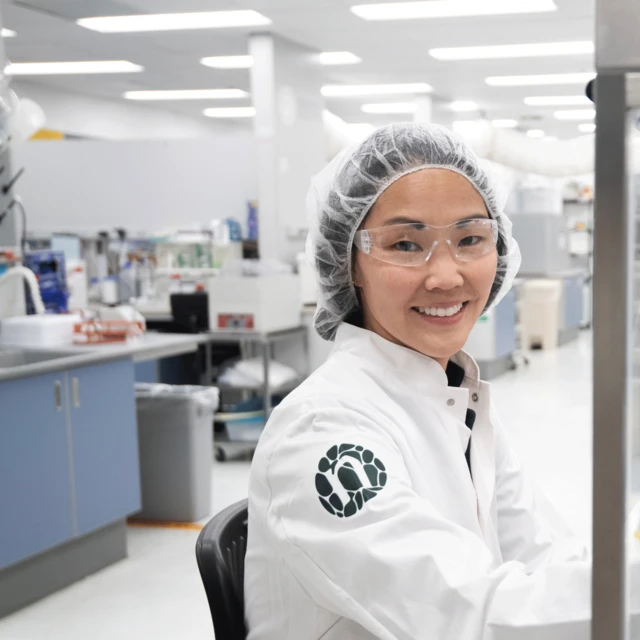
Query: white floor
column 156, row 593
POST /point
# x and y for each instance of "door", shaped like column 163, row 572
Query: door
column 104, row 443
column 35, row 485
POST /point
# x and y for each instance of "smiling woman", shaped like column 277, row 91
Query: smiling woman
column 385, row 501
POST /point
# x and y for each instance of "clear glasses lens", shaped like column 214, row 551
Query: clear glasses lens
column 412, row 244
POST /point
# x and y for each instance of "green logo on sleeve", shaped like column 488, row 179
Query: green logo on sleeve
column 348, row 476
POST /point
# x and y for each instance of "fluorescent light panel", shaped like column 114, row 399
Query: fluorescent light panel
column 513, row 51
column 535, row 80
column 461, row 106
column 575, row 114
column 390, row 107
column 187, row 94
column 8, row 33
column 63, row 68
column 557, row 101
column 504, row 124
column 587, row 127
column 230, row 112
column 174, row 21
column 330, row 58
column 228, row 62
column 535, row 133
column 350, row 90
column 449, row 9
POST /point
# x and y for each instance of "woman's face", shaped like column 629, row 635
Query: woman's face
column 391, row 295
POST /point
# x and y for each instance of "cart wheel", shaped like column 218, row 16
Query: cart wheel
column 220, row 455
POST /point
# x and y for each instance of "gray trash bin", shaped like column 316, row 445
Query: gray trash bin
column 175, row 434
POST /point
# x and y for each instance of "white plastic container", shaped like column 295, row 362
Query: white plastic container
column 541, row 301
column 264, row 303
column 38, row 331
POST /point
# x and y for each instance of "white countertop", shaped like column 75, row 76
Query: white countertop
column 152, row 346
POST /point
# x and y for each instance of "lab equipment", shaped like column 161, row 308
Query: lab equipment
column 544, row 243
column 252, row 220
column 190, row 311
column 411, row 245
column 175, row 431
column 14, row 283
column 39, row 330
column 261, row 304
column 344, row 192
column 49, row 268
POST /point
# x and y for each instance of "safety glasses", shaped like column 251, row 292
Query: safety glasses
column 411, row 245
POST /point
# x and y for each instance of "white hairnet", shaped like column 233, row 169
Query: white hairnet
column 343, row 193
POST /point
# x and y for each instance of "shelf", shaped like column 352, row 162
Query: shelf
column 289, row 386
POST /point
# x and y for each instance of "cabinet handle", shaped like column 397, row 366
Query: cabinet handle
column 57, row 392
column 75, row 384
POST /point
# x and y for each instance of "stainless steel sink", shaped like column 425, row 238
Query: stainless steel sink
column 15, row 357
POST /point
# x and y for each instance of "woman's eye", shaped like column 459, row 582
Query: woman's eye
column 406, row 245
column 469, row 241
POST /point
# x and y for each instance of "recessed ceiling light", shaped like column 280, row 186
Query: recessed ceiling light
column 461, row 106
column 228, row 62
column 348, row 90
column 504, row 124
column 230, row 112
column 466, row 127
column 575, row 114
column 338, row 57
column 174, row 21
column 587, row 127
column 390, row 107
column 449, row 9
column 187, row 94
column 535, row 133
column 513, row 51
column 62, row 68
column 554, row 78
column 557, row 101
column 8, row 33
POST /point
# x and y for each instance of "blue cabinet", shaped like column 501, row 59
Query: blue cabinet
column 105, row 443
column 35, row 486
column 68, row 456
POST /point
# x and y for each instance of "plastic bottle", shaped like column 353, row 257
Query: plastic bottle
column 252, row 220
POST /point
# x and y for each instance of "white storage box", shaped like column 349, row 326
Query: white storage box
column 263, row 303
column 38, row 331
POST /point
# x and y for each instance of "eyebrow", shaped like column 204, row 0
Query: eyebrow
column 406, row 220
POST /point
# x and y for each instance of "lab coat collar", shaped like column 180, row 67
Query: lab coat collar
column 350, row 338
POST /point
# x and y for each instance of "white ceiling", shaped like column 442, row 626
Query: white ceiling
column 391, row 52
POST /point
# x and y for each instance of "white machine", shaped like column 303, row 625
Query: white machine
column 262, row 303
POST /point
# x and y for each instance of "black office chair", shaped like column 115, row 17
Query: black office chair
column 220, row 552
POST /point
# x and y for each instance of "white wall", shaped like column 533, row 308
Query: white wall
column 85, row 186
column 94, row 117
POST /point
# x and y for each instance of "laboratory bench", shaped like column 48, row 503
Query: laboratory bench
column 69, row 468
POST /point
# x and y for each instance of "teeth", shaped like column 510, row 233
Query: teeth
column 439, row 312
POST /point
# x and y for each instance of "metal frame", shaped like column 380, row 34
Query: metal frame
column 611, row 362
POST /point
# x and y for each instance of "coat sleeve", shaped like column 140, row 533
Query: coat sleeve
column 365, row 546
column 530, row 529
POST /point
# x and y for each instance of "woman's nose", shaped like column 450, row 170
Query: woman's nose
column 442, row 269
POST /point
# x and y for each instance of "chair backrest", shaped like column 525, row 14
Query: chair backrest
column 220, row 552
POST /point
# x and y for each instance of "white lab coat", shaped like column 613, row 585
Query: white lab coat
column 430, row 554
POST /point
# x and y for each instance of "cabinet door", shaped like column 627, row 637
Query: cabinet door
column 35, row 483
column 105, row 443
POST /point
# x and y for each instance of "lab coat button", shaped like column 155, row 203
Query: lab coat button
column 451, row 402
column 475, row 397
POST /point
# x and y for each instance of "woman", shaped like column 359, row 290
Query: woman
column 384, row 499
